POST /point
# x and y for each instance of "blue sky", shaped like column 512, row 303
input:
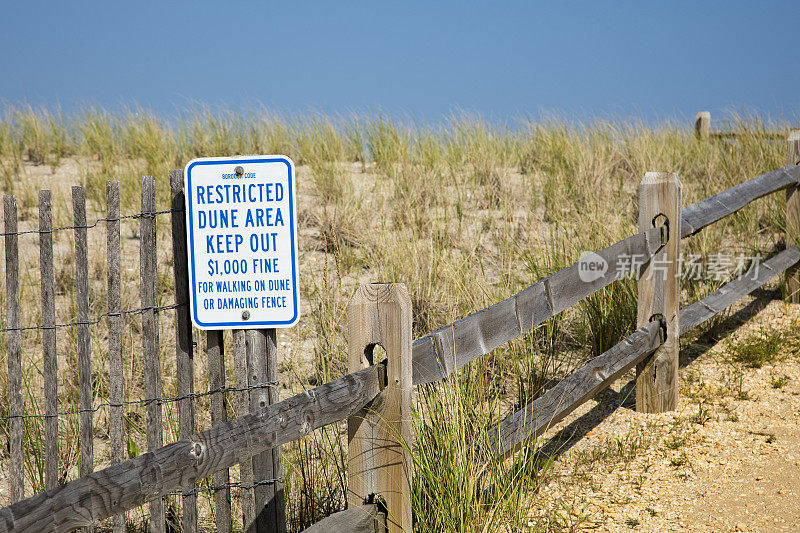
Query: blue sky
column 653, row 60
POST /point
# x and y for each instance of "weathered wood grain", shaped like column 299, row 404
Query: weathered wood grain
column 116, row 368
column 378, row 462
column 793, row 215
column 85, row 396
column 702, row 125
column 697, row 216
column 598, row 373
column 362, row 519
column 771, row 135
column 215, row 350
column 441, row 353
column 179, row 464
column 702, row 130
column 148, row 274
column 269, row 498
column 695, row 314
column 242, row 403
column 14, row 350
column 658, row 292
column 551, row 407
column 184, row 345
column 49, row 356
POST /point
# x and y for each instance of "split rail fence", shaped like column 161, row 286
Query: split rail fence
column 703, row 131
column 375, row 397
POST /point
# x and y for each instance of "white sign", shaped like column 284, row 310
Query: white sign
column 242, row 242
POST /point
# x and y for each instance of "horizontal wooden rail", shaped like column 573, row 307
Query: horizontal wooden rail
column 695, row 314
column 366, row 518
column 601, row 371
column 705, row 212
column 702, row 129
column 572, row 391
column 773, row 135
column 439, row 354
column 178, row 465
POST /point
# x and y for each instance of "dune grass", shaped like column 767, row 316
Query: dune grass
column 466, row 214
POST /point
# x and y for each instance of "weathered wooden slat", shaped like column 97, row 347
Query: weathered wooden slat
column 148, row 275
column 85, row 396
column 793, row 215
column 695, row 314
column 697, row 216
column 49, row 355
column 114, row 320
column 179, row 464
column 14, row 351
column 441, row 353
column 363, row 519
column 184, row 352
column 242, row 399
column 658, row 293
column 215, row 349
column 571, row 392
column 269, row 500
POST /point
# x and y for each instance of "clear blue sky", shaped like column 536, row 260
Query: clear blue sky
column 421, row 60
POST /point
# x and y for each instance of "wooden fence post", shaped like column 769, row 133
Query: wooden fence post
column 793, row 214
column 269, row 500
column 215, row 349
column 148, row 289
column 85, row 395
column 657, row 376
column 702, row 125
column 116, row 365
column 241, row 371
column 16, row 474
column 379, row 465
column 184, row 345
column 49, row 355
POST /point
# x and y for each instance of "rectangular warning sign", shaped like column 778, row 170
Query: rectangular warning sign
column 242, row 242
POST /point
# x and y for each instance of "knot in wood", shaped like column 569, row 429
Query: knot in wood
column 197, row 450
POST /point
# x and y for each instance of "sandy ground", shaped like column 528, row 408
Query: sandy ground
column 728, row 459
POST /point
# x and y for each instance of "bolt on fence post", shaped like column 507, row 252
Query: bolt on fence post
column 657, row 376
column 379, row 436
column 793, row 215
column 702, row 125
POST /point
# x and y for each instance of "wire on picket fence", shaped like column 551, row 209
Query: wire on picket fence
column 144, row 214
column 231, row 485
column 146, row 401
column 100, row 318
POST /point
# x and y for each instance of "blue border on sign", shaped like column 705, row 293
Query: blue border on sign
column 291, row 234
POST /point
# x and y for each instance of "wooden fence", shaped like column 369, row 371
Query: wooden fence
column 375, row 397
column 703, row 131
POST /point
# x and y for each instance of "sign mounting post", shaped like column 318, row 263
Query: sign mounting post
column 243, row 274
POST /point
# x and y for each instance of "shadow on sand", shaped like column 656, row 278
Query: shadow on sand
column 611, row 400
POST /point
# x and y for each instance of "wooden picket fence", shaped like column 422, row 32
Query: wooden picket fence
column 375, row 397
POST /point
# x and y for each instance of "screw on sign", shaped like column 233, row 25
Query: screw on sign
column 242, row 242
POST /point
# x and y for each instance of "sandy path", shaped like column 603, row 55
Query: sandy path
column 728, row 459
